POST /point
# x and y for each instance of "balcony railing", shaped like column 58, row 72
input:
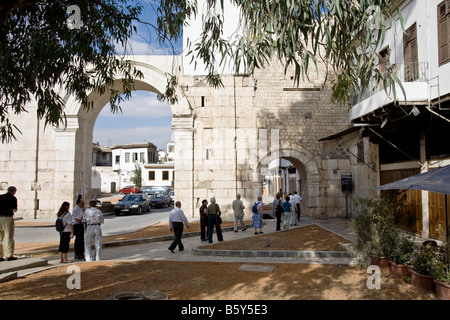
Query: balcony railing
column 406, row 72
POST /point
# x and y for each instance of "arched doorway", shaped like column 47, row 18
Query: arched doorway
column 307, row 171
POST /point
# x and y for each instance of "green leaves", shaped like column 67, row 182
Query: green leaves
column 40, row 55
column 343, row 34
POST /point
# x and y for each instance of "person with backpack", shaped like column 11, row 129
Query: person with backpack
column 65, row 228
column 277, row 210
column 258, row 221
column 287, row 208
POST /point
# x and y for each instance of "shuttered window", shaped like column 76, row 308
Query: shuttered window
column 444, row 31
column 410, row 52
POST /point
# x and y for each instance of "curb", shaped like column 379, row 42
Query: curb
column 128, row 242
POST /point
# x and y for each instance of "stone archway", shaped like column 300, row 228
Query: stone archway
column 74, row 143
column 308, row 171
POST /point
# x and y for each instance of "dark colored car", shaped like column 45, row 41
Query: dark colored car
column 133, row 203
column 159, row 198
column 130, row 189
column 105, row 206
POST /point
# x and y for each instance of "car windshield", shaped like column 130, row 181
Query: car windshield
column 132, row 198
column 159, row 195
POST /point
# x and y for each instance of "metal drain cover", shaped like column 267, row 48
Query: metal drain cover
column 256, row 268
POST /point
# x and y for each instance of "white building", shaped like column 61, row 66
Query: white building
column 158, row 174
column 127, row 157
column 392, row 139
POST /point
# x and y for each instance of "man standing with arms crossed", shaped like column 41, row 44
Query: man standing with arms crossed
column 8, row 206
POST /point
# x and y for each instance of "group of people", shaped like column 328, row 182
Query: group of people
column 288, row 210
column 210, row 217
column 85, row 226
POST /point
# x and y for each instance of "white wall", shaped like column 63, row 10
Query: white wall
column 192, row 31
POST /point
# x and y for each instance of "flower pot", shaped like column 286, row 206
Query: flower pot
column 383, row 263
column 399, row 270
column 422, row 281
column 442, row 290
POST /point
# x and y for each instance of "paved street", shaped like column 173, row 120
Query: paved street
column 113, row 225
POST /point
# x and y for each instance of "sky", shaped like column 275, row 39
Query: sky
column 143, row 118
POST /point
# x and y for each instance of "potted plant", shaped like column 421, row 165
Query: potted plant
column 375, row 230
column 400, row 260
column 440, row 271
column 422, row 263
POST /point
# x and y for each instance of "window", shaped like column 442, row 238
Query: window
column 127, row 157
column 117, row 159
column 142, row 157
column 151, row 175
column 165, row 175
column 410, row 54
column 135, row 157
column 383, row 59
column 444, row 32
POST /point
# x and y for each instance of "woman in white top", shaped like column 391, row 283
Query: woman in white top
column 67, row 233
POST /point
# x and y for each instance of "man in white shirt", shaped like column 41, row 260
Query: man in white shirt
column 93, row 219
column 297, row 199
column 176, row 220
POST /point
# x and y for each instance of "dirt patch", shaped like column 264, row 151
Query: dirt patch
column 308, row 238
column 209, row 281
column 217, row 281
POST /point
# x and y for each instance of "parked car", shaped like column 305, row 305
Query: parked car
column 159, row 198
column 105, row 206
column 133, row 203
column 130, row 189
column 172, row 197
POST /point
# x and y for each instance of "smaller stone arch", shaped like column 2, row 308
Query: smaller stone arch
column 308, row 171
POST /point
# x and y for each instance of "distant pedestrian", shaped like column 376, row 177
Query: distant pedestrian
column 214, row 221
column 176, row 220
column 277, row 210
column 67, row 233
column 297, row 199
column 287, row 208
column 293, row 219
column 8, row 206
column 238, row 208
column 203, row 220
column 78, row 228
column 258, row 221
column 93, row 218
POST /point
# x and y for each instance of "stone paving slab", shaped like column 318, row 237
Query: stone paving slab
column 256, row 268
column 21, row 264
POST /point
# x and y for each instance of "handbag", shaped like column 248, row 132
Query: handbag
column 219, row 220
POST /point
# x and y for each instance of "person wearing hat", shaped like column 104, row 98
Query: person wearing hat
column 238, row 208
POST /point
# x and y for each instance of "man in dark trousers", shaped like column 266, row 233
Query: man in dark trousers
column 277, row 210
column 176, row 220
column 8, row 206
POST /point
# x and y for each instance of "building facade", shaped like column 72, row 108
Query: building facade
column 394, row 139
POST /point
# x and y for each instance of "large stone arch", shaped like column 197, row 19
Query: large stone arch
column 74, row 142
column 307, row 168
